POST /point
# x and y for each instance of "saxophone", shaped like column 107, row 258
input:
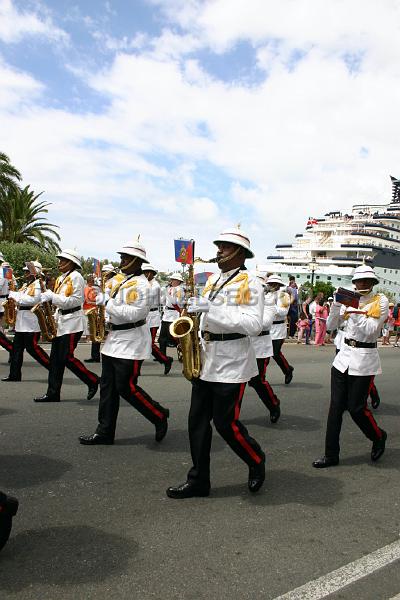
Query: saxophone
column 97, row 317
column 186, row 330
column 10, row 306
column 44, row 314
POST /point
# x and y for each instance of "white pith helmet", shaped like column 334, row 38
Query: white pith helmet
column 69, row 254
column 134, row 249
column 107, row 268
column 5, row 264
column 236, row 236
column 274, row 279
column 176, row 276
column 364, row 272
column 149, row 267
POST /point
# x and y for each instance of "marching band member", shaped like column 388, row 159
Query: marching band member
column 127, row 345
column 354, row 365
column 4, row 289
column 174, row 299
column 262, row 345
column 232, row 311
column 68, row 298
column 279, row 327
column 27, row 328
column 153, row 318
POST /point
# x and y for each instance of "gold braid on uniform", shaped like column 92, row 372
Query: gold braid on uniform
column 243, row 295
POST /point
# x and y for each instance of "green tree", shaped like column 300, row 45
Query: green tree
column 22, row 220
column 9, row 176
column 18, row 254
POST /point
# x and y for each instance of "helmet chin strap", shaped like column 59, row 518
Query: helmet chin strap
column 364, row 292
column 228, row 258
column 129, row 265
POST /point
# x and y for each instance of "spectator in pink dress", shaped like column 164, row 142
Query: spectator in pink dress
column 321, row 315
column 303, row 327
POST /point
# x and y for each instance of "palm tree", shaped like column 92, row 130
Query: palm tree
column 9, row 175
column 21, row 218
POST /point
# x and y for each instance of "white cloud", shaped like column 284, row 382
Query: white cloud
column 16, row 25
column 291, row 145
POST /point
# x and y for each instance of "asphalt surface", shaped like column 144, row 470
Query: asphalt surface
column 95, row 523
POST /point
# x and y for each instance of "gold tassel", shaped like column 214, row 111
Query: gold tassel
column 69, row 288
column 285, row 300
column 375, row 309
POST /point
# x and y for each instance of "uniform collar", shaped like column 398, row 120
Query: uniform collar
column 227, row 274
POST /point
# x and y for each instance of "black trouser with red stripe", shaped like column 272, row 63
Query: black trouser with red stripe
column 165, row 337
column 279, row 357
column 61, row 356
column 155, row 350
column 26, row 341
column 119, row 378
column 220, row 402
column 263, row 388
column 349, row 392
column 5, row 342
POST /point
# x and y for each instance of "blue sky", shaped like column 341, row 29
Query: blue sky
column 170, row 118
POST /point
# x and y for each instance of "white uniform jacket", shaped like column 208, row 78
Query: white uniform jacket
column 237, row 308
column 28, row 295
column 282, row 305
column 362, row 328
column 173, row 296
column 262, row 344
column 153, row 318
column 68, row 293
column 3, row 292
column 128, row 303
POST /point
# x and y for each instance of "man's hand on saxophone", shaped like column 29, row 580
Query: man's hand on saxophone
column 197, row 305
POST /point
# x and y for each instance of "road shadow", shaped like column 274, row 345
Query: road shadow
column 387, row 409
column 390, row 460
column 288, row 487
column 286, row 422
column 4, row 412
column 295, row 385
column 177, row 440
column 67, row 555
column 23, row 471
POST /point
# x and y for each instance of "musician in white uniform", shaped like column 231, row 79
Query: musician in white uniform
column 262, row 345
column 232, row 312
column 174, row 299
column 281, row 300
column 68, row 298
column 4, row 289
column 154, row 318
column 127, row 345
column 27, row 328
column 355, row 364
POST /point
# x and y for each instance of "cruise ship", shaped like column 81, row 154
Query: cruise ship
column 332, row 246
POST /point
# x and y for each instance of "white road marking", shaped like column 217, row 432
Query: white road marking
column 340, row 578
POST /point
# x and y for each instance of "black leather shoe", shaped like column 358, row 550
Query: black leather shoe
column 325, row 461
column 11, row 378
column 95, row 440
column 289, row 376
column 162, row 427
column 46, row 398
column 91, row 360
column 8, row 509
column 168, row 365
column 187, row 490
column 275, row 414
column 92, row 390
column 378, row 447
column 256, row 477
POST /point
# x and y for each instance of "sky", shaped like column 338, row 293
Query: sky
column 181, row 118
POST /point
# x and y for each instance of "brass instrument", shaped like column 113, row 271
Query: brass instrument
column 10, row 306
column 43, row 310
column 186, row 330
column 97, row 316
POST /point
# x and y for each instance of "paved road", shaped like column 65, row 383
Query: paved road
column 94, row 523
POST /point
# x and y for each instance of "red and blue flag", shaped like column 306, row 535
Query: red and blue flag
column 96, row 267
column 184, row 251
column 7, row 273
